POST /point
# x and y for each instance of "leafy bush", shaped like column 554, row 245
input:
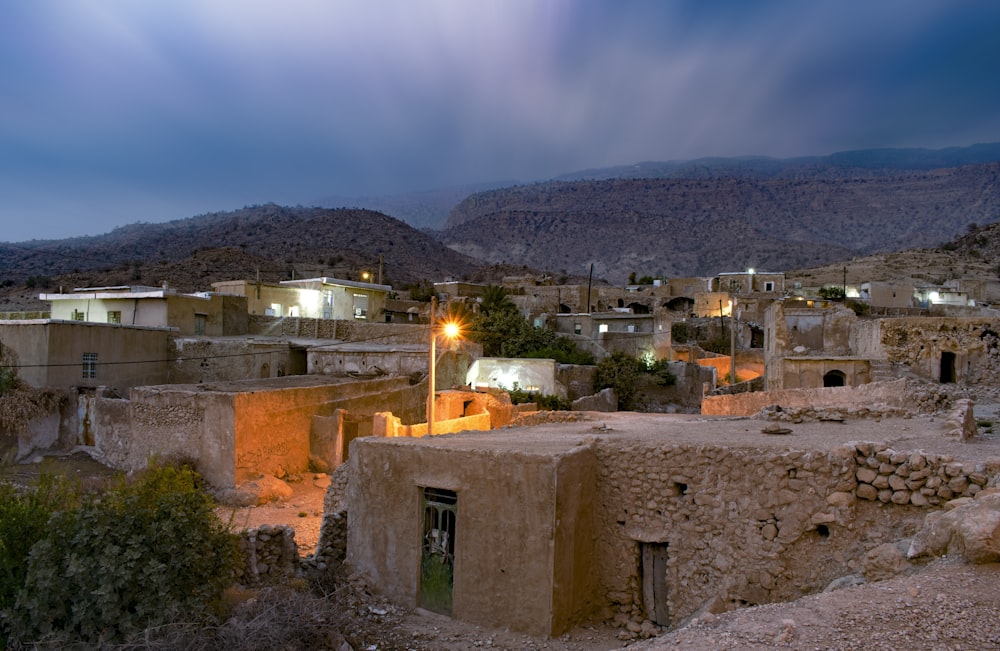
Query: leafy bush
column 831, row 292
column 545, row 402
column 660, row 370
column 24, row 515
column 142, row 554
column 619, row 372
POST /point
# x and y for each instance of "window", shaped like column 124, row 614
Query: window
column 769, row 286
column 89, row 366
column 199, row 323
column 360, row 306
column 603, row 327
column 77, row 315
column 630, row 327
column 114, row 316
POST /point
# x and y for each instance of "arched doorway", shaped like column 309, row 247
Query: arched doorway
column 834, row 379
column 947, row 367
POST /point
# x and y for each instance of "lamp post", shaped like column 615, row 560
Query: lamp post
column 450, row 330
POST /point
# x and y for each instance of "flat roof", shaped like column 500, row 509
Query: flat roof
column 644, row 430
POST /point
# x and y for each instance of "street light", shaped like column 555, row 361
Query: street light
column 451, row 331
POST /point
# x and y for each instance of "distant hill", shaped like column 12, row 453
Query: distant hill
column 845, row 164
column 702, row 226
column 422, row 210
column 275, row 241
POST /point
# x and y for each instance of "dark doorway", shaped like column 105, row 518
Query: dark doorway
column 437, row 560
column 654, row 582
column 947, row 367
column 834, row 379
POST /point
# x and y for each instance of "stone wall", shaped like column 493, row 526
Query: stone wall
column 746, row 526
column 883, row 394
column 918, row 343
column 339, row 329
column 271, row 555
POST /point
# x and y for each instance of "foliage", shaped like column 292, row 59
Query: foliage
column 142, row 554
column 545, row 402
column 20, row 403
column 662, row 375
column 832, row 292
column 681, row 333
column 24, row 515
column 503, row 332
column 860, row 308
column 620, row 372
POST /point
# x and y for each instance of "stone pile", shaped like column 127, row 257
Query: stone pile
column 271, row 555
column 914, row 478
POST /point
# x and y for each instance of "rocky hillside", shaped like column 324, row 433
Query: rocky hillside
column 681, row 227
column 274, row 241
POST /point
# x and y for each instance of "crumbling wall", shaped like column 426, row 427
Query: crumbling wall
column 884, row 394
column 919, row 343
column 751, row 526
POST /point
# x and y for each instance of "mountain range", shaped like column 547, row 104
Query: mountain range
column 658, row 219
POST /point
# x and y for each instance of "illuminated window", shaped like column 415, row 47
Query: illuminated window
column 115, row 316
column 602, row 327
column 89, row 366
column 360, row 306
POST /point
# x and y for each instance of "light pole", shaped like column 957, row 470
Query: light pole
column 451, row 331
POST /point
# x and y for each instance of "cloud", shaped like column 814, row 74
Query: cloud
column 112, row 103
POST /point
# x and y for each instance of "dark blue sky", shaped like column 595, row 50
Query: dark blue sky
column 119, row 111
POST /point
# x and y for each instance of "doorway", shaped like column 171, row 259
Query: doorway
column 947, row 367
column 437, row 558
column 654, row 582
column 834, row 379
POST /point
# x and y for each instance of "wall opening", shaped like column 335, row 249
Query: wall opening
column 834, row 379
column 437, row 559
column 947, row 367
column 653, row 561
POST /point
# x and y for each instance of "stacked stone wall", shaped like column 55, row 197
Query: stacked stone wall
column 753, row 526
column 271, row 555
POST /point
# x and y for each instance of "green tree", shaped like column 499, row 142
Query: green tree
column 503, row 332
column 620, row 372
column 832, row 292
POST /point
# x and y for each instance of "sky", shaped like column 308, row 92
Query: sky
column 114, row 112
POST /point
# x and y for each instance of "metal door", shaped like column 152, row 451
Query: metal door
column 437, row 561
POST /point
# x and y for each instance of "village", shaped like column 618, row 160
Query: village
column 809, row 447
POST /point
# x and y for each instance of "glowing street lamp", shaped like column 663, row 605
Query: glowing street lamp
column 451, row 331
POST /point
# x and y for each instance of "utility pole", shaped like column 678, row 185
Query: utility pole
column 732, row 345
column 431, row 373
column 381, row 262
column 590, row 281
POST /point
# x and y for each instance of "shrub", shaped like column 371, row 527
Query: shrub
column 621, row 373
column 142, row 554
column 545, row 402
column 24, row 515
